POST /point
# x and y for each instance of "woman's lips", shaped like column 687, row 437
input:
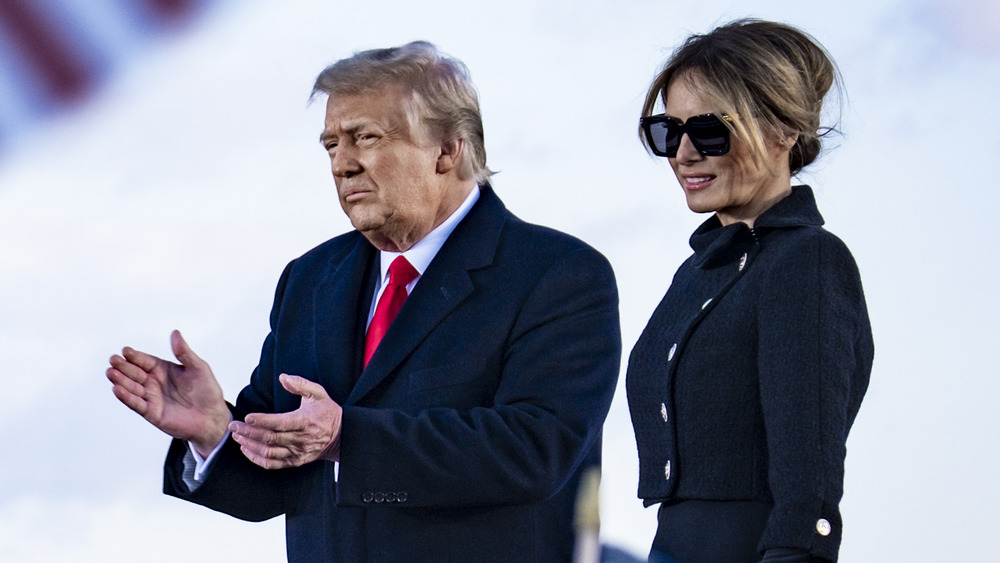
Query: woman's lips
column 697, row 182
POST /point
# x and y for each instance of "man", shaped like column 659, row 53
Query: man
column 457, row 429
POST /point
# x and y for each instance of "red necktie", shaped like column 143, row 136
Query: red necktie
column 401, row 273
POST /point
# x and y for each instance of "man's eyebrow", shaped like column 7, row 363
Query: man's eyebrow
column 348, row 128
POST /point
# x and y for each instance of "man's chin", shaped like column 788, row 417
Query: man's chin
column 365, row 220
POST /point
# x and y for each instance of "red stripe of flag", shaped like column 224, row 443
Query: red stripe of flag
column 61, row 71
column 173, row 10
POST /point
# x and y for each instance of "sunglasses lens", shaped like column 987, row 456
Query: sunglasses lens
column 665, row 136
column 708, row 134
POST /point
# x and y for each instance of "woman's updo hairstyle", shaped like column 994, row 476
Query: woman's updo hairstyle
column 772, row 72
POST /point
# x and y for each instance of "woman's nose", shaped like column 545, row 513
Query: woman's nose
column 686, row 151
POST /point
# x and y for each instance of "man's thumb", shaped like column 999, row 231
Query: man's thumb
column 297, row 385
column 184, row 354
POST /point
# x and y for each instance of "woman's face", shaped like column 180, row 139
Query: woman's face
column 731, row 185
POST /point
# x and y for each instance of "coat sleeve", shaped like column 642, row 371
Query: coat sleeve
column 815, row 353
column 234, row 485
column 559, row 368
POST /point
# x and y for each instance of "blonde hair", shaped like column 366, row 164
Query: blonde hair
column 444, row 99
column 771, row 77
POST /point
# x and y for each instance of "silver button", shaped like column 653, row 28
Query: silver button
column 670, row 354
column 823, row 527
column 705, row 304
column 666, row 471
column 743, row 261
column 663, row 412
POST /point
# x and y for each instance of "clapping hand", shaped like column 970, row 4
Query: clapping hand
column 183, row 400
column 311, row 432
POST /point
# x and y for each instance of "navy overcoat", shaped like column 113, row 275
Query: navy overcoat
column 464, row 437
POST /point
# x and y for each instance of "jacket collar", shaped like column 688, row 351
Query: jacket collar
column 715, row 245
column 445, row 284
column 797, row 210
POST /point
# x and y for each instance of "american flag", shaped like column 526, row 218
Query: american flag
column 54, row 54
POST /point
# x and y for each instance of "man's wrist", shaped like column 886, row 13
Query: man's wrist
column 214, row 438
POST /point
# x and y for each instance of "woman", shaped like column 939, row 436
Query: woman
column 747, row 378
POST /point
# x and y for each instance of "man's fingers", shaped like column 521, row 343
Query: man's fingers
column 242, row 431
column 265, row 455
column 246, row 434
column 254, row 458
column 120, row 379
column 141, row 360
column 262, row 449
column 262, row 460
column 281, row 422
column 128, row 369
column 130, row 400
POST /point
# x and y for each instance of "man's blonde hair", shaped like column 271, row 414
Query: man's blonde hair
column 444, row 100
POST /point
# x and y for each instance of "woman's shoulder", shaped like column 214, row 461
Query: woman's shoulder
column 810, row 235
column 805, row 254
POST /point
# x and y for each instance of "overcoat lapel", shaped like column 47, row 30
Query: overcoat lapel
column 444, row 286
column 337, row 315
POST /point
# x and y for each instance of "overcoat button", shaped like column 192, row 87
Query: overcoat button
column 666, row 471
column 743, row 261
column 670, row 354
column 823, row 527
column 705, row 304
column 663, row 412
column 401, row 496
column 390, row 497
column 380, row 497
column 367, row 496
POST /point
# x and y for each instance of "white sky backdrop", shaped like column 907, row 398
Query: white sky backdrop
column 176, row 197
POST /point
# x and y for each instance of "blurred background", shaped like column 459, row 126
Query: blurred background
column 159, row 165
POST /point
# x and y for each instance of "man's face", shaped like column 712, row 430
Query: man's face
column 389, row 173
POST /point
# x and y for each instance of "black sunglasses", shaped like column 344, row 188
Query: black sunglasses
column 708, row 134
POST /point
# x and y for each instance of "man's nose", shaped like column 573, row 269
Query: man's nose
column 344, row 161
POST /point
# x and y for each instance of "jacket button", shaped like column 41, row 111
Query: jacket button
column 666, row 471
column 401, row 496
column 367, row 496
column 390, row 497
column 670, row 354
column 379, row 497
column 823, row 527
column 663, row 412
column 743, row 261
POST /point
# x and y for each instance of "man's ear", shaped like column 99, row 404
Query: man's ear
column 451, row 155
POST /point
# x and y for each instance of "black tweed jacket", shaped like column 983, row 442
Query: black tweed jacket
column 748, row 377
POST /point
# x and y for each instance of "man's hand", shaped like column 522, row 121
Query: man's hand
column 311, row 432
column 183, row 400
